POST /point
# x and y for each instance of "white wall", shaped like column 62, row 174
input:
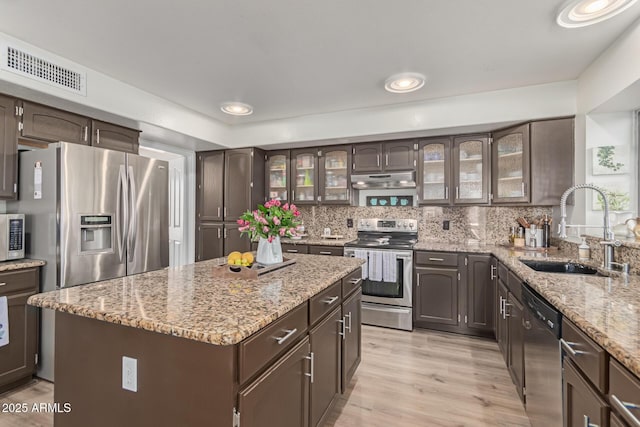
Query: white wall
column 3, row 207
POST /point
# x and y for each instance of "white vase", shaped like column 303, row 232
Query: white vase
column 269, row 253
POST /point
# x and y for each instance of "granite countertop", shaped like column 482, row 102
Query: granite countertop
column 20, row 264
column 190, row 302
column 317, row 241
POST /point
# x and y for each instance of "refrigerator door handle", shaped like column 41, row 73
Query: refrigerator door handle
column 133, row 220
column 121, row 195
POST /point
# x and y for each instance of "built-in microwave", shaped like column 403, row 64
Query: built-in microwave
column 11, row 236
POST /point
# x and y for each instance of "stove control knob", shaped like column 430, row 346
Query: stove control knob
column 411, row 225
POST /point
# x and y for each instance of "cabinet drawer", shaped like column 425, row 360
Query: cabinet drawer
column 351, row 282
column 19, row 281
column 586, row 354
column 288, row 248
column 582, row 404
column 436, row 258
column 503, row 272
column 324, row 302
column 624, row 393
column 515, row 285
column 267, row 344
column 326, row 250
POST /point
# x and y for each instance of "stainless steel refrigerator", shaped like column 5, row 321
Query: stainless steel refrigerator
column 92, row 214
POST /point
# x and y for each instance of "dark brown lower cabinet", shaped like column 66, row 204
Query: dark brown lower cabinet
column 280, row 396
column 480, row 294
column 325, row 347
column 233, row 240
column 288, row 248
column 326, row 250
column 351, row 343
column 502, row 324
column 210, row 242
column 615, row 421
column 436, row 297
column 583, row 406
column 515, row 361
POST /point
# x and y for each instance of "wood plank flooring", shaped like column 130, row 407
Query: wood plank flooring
column 424, row 378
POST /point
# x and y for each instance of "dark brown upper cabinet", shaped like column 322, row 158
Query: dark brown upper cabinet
column 210, row 185
column 304, row 176
column 434, row 171
column 52, row 125
column 335, row 175
column 113, row 137
column 384, row 156
column 510, row 155
column 471, row 169
column 244, row 174
column 8, row 148
column 278, row 171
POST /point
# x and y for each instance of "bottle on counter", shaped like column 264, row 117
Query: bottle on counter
column 584, row 251
column 546, row 232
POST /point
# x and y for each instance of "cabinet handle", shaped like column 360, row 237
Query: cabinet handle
column 493, row 272
column 293, row 195
column 218, row 233
column 348, row 316
column 86, row 133
column 5, row 283
column 225, row 233
column 457, row 192
column 292, row 251
column 343, row 331
column 386, row 160
column 504, row 311
column 524, row 193
column 446, row 192
column 310, row 357
column 567, row 346
column 218, row 211
column 324, row 253
column 623, row 409
column 378, row 159
column 436, row 259
column 224, row 211
column 355, row 282
column 289, row 334
column 97, row 136
column 331, row 300
column 587, row 422
column 501, row 305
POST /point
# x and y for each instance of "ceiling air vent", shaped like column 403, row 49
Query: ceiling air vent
column 20, row 62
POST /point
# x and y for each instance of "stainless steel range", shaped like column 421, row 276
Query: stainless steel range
column 387, row 276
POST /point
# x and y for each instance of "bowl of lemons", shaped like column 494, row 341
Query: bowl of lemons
column 240, row 259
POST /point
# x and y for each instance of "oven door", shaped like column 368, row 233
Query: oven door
column 392, row 293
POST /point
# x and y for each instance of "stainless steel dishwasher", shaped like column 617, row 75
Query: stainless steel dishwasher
column 542, row 360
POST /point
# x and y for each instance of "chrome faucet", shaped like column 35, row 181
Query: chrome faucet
column 609, row 241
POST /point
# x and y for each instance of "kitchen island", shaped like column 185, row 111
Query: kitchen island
column 207, row 350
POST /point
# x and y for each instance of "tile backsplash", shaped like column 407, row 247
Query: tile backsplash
column 489, row 224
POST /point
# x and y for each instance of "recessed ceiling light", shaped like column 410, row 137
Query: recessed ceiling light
column 405, row 82
column 580, row 13
column 236, row 108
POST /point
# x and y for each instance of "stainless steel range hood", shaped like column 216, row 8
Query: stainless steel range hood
column 384, row 180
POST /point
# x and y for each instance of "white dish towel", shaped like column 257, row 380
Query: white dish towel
column 360, row 254
column 375, row 266
column 4, row 321
column 389, row 270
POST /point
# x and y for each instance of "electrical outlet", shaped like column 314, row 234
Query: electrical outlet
column 349, row 222
column 445, row 224
column 129, row 373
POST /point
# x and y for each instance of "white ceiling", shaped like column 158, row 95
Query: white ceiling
column 289, row 58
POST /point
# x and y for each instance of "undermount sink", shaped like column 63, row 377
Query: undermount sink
column 559, row 267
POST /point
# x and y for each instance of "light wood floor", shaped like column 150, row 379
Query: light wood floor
column 423, row 378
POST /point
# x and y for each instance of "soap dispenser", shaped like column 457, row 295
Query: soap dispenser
column 584, row 252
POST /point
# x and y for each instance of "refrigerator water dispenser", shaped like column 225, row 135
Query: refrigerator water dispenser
column 96, row 232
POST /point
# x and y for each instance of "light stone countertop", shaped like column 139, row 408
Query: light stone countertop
column 192, row 303
column 20, row 264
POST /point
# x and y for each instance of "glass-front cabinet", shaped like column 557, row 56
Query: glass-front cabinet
column 510, row 158
column 335, row 166
column 304, row 177
column 471, row 169
column 278, row 175
column 434, row 171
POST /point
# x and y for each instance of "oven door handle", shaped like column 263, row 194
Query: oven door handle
column 387, row 309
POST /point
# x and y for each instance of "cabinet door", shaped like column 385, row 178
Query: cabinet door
column 436, row 299
column 471, row 169
column 510, row 165
column 434, row 171
column 583, row 406
column 367, row 158
column 325, row 345
column 8, row 147
column 210, row 242
column 234, row 241
column 278, row 187
column 400, row 155
column 17, row 359
column 480, row 293
column 280, row 396
column 502, row 326
column 335, row 188
column 50, row 124
column 113, row 137
column 515, row 313
column 352, row 342
column 210, row 179
column 237, row 183
column 304, row 181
